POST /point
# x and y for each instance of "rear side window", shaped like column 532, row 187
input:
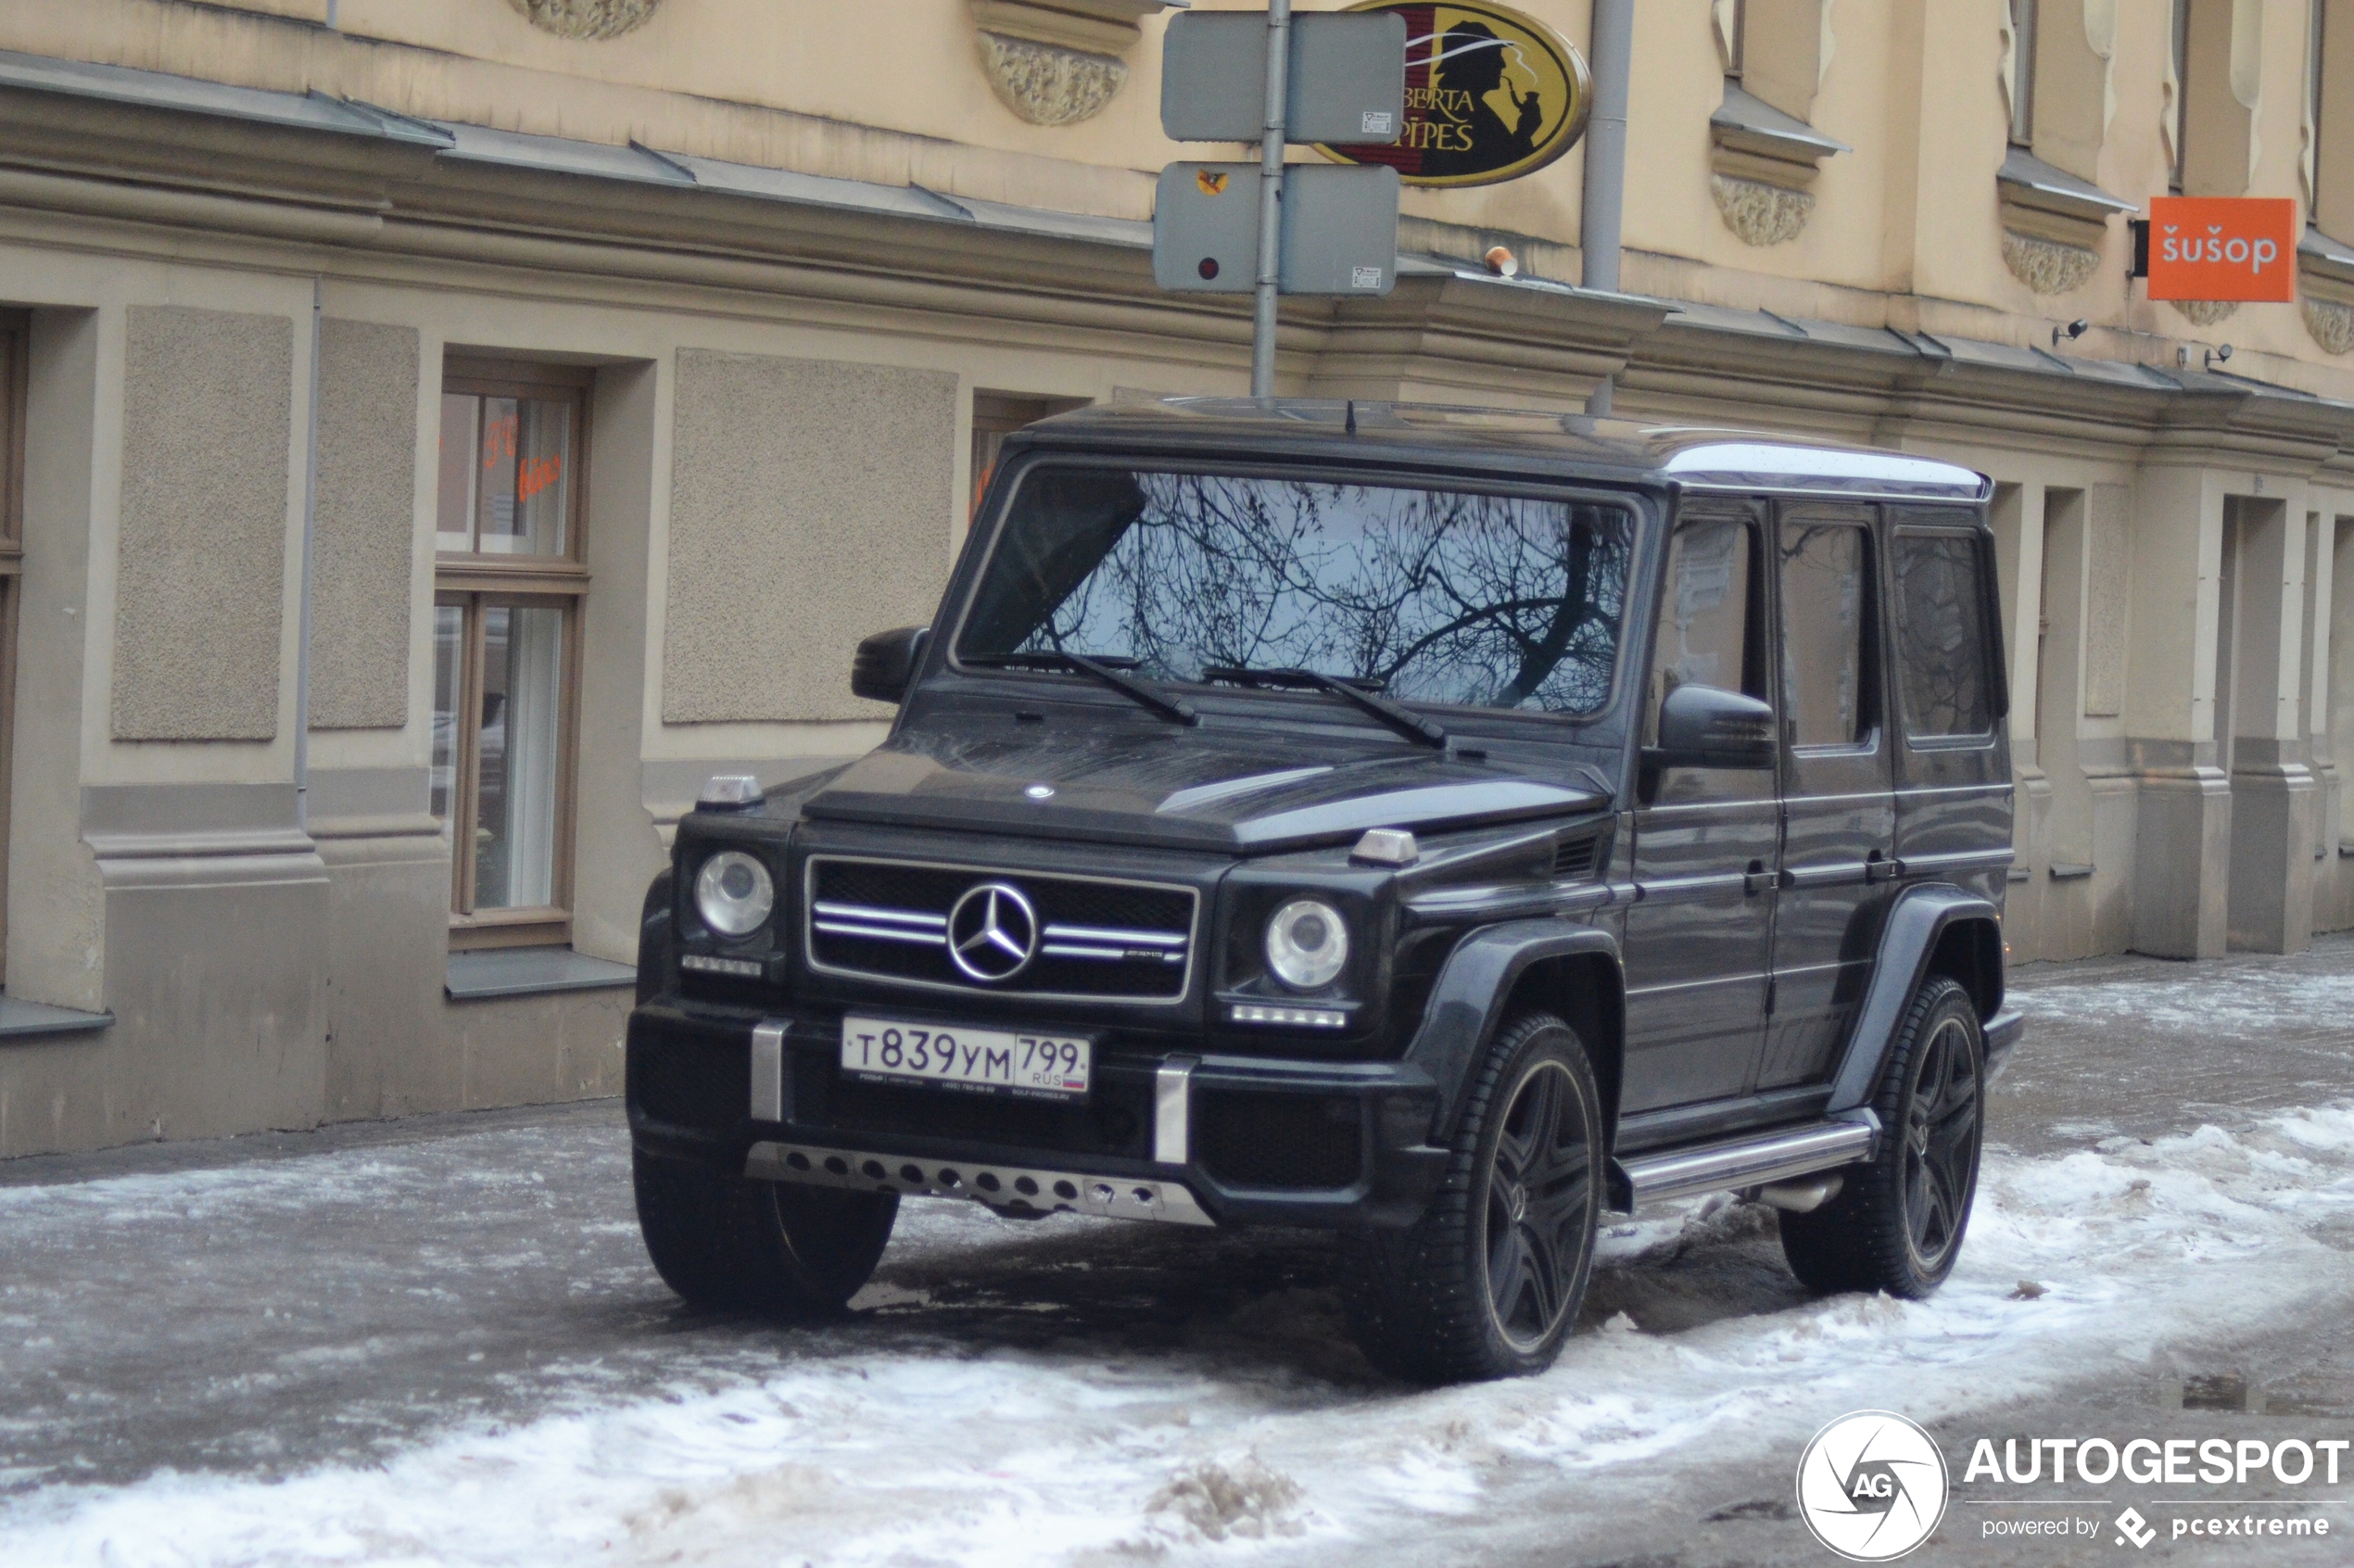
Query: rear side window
column 1941, row 635
column 1826, row 627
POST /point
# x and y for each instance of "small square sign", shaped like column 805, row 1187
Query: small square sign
column 1364, row 277
column 2223, row 248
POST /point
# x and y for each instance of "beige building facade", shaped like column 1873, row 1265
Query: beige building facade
column 437, row 435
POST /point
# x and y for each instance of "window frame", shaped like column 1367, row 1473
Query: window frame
column 474, row 582
column 966, row 589
column 1761, row 645
column 16, row 347
column 2024, row 28
column 2179, row 43
column 1990, row 630
column 1872, row 650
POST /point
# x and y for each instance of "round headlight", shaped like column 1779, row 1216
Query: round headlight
column 733, row 894
column 1306, row 943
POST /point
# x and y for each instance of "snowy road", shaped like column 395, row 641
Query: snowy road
column 448, row 1348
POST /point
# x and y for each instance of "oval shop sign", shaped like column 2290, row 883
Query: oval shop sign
column 1490, row 95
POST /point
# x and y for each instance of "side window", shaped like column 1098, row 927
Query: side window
column 1827, row 615
column 1941, row 635
column 1711, row 633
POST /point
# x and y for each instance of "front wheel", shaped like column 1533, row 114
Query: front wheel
column 1897, row 1222
column 768, row 1248
column 1489, row 1283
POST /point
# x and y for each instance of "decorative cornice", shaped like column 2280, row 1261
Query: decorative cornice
column 1056, row 62
column 587, row 19
column 1762, row 164
column 2053, row 222
column 1046, row 86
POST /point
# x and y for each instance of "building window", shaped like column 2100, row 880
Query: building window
column 2181, row 44
column 14, row 331
column 2022, row 73
column 997, row 415
column 508, row 590
column 2330, row 102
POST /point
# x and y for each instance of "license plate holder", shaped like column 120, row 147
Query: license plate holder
column 1019, row 1064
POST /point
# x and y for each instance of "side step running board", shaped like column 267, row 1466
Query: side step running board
column 1752, row 1161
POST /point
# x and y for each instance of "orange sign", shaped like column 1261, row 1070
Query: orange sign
column 2223, row 248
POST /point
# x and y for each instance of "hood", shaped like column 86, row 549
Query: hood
column 1158, row 790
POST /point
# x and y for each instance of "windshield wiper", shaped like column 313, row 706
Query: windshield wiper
column 1412, row 726
column 1174, row 709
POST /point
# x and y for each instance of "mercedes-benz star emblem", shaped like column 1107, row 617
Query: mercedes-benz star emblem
column 993, row 932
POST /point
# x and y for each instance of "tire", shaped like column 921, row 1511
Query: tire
column 766, row 1247
column 1489, row 1283
column 1898, row 1221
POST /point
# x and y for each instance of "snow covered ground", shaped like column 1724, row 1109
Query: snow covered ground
column 1080, row 1392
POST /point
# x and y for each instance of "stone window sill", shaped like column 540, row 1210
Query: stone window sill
column 482, row 974
column 35, row 1020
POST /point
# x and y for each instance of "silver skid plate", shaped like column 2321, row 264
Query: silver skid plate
column 1009, row 1188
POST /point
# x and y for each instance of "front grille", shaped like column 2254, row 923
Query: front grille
column 1087, row 938
column 690, row 1082
column 1252, row 1140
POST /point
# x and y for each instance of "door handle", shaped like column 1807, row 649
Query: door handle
column 1756, row 879
column 1881, row 867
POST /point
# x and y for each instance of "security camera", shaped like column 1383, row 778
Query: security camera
column 2216, row 356
column 2071, row 332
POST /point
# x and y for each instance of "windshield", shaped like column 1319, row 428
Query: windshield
column 1431, row 596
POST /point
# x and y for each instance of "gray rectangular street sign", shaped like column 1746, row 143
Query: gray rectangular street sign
column 1339, row 229
column 1346, row 84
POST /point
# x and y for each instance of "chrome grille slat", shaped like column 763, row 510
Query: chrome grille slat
column 888, row 920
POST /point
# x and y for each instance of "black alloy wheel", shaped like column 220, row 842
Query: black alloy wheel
column 1489, row 1283
column 1898, row 1220
column 1540, row 1186
column 770, row 1248
column 1940, row 1146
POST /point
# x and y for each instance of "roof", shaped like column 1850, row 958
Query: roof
column 1687, row 456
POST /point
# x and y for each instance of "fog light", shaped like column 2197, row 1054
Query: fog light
column 749, row 969
column 1299, row 1017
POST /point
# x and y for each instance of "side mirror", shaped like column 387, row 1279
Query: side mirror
column 886, row 663
column 1702, row 726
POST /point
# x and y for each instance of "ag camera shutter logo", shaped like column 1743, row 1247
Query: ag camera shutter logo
column 1872, row 1486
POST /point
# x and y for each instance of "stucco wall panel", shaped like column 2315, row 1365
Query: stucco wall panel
column 208, row 398
column 366, row 525
column 810, row 506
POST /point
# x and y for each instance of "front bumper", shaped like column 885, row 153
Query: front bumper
column 1168, row 1133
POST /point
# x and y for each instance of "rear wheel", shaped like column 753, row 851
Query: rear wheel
column 758, row 1246
column 1898, row 1221
column 1489, row 1282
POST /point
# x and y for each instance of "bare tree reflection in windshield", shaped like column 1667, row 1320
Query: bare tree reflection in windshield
column 1433, row 596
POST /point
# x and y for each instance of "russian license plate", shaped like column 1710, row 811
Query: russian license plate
column 977, row 1060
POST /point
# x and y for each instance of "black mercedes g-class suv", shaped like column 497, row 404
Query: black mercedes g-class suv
column 1441, row 826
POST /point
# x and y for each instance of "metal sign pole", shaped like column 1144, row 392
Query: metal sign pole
column 1270, row 193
